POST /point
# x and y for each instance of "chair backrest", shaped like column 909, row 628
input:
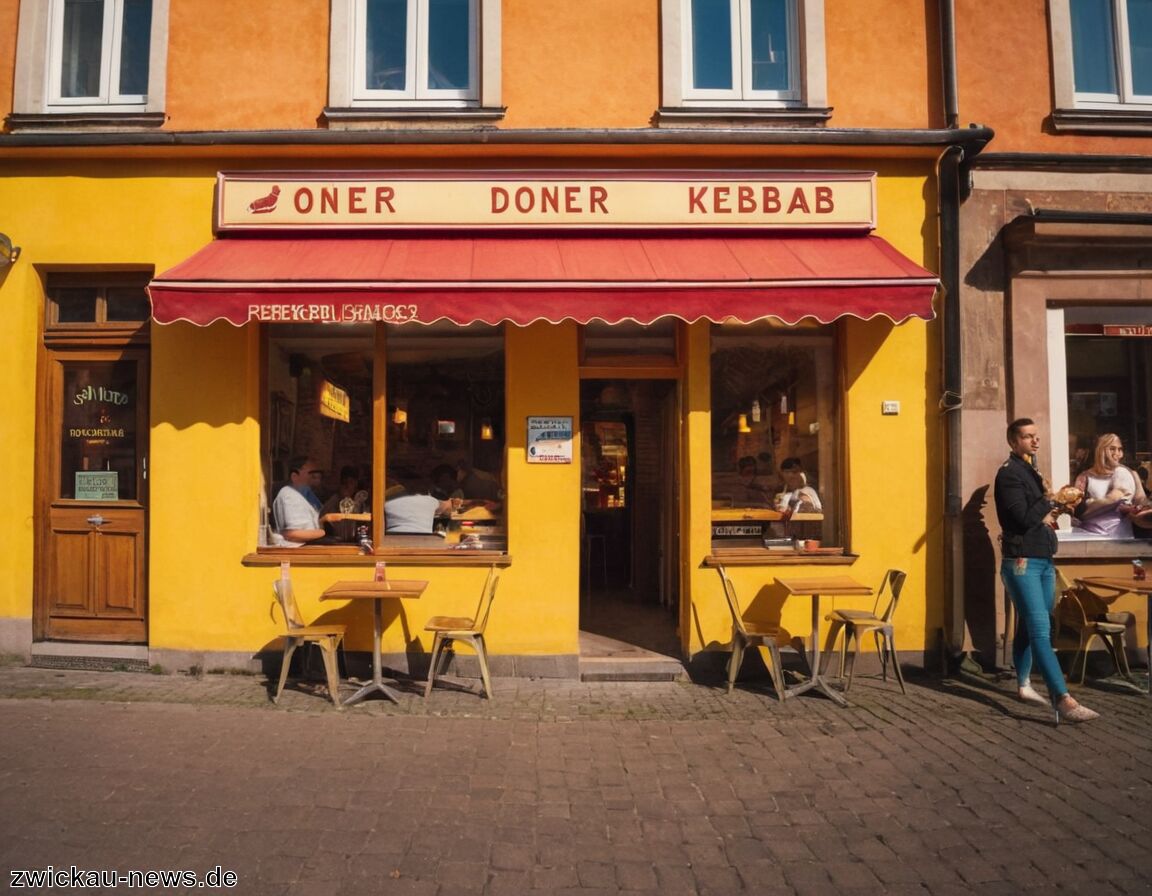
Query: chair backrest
column 486, row 597
column 892, row 585
column 733, row 603
column 282, row 588
column 1092, row 605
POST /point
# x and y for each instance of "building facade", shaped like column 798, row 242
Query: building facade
column 651, row 287
column 1053, row 288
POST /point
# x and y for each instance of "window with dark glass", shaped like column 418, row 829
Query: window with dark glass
column 403, row 429
column 775, row 472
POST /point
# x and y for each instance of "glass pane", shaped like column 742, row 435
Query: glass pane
column 75, row 304
column 712, row 44
column 127, row 304
column 386, row 50
column 318, row 434
column 98, row 435
column 1093, row 47
column 774, row 472
column 445, row 436
column 135, row 41
column 449, row 45
column 771, row 65
column 1140, row 45
column 81, row 48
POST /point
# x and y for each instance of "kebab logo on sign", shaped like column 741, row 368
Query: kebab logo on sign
column 265, row 204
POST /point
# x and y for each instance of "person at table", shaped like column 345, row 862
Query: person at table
column 478, row 485
column 349, row 497
column 296, row 509
column 1112, row 493
column 798, row 496
column 414, row 511
column 444, row 484
column 753, row 491
column 1027, row 514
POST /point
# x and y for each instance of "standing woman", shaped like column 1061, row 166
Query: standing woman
column 1027, row 516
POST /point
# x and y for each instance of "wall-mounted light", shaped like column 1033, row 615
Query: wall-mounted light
column 742, row 424
column 8, row 252
column 486, row 434
column 399, row 416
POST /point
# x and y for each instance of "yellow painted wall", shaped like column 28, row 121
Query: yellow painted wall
column 205, row 472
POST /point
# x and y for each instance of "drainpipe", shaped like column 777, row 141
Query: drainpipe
column 948, row 178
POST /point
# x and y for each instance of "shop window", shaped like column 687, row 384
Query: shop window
column 1102, row 55
column 414, row 54
column 1103, row 368
column 83, row 59
column 775, row 474
column 744, row 54
column 403, row 431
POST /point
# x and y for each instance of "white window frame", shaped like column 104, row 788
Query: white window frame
column 348, row 50
column 809, row 76
column 38, row 48
column 1067, row 97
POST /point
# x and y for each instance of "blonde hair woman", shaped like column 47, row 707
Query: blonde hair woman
column 1111, row 491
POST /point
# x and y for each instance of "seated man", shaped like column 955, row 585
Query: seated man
column 296, row 510
column 413, row 512
column 798, row 496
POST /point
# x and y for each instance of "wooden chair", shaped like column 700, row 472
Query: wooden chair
column 296, row 632
column 753, row 634
column 858, row 622
column 1085, row 612
column 469, row 629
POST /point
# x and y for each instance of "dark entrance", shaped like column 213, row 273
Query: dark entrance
column 630, row 515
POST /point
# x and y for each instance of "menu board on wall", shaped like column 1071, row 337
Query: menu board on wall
column 549, row 440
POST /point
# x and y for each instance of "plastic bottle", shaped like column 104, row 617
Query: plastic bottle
column 380, row 571
column 1138, row 571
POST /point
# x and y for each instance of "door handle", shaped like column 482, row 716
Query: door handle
column 96, row 520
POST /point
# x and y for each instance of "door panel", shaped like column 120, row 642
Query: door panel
column 91, row 573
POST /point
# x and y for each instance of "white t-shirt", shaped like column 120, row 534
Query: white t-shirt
column 410, row 514
column 291, row 510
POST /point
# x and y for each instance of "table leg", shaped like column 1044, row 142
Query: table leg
column 816, row 680
column 376, row 685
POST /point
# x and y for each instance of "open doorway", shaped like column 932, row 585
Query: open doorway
column 629, row 545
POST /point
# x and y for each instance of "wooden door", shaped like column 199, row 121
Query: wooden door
column 91, row 576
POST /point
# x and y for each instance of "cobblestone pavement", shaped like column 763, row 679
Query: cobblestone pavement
column 566, row 787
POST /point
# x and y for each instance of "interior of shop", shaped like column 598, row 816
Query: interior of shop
column 629, row 536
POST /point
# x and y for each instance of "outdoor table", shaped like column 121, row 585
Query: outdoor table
column 816, row 587
column 377, row 592
column 1133, row 586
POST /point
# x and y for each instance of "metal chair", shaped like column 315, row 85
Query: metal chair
column 753, row 634
column 858, row 622
column 327, row 637
column 1085, row 612
column 469, row 629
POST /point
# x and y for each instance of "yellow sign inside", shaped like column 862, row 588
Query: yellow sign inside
column 334, row 402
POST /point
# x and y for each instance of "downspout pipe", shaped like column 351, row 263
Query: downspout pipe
column 949, row 173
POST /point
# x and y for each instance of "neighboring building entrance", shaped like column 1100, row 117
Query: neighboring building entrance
column 92, row 504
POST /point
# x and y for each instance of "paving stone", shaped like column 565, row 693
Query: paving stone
column 558, row 786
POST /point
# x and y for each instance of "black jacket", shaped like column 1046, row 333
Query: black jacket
column 1022, row 506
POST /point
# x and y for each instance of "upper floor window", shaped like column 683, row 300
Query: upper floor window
column 1112, row 50
column 742, row 49
column 100, row 51
column 744, row 54
column 415, row 50
column 399, row 56
column 90, row 62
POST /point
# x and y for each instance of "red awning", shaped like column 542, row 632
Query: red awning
column 521, row 279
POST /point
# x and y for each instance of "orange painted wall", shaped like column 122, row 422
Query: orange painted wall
column 1004, row 66
column 883, row 64
column 592, row 64
column 9, row 16
column 595, row 63
column 262, row 67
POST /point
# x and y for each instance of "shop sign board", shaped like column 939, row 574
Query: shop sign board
column 549, row 440
column 1127, row 330
column 389, row 200
column 334, row 402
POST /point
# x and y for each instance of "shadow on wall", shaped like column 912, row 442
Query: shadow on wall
column 979, row 575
